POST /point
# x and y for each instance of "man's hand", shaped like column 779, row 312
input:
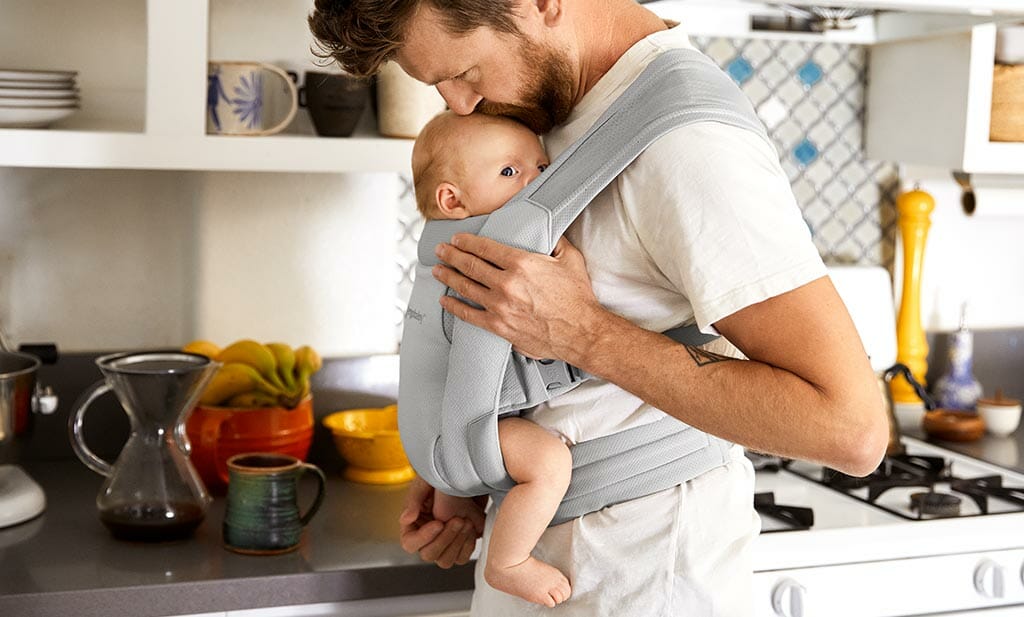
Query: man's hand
column 539, row 303
column 444, row 543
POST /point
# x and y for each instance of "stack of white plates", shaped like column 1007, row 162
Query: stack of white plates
column 35, row 99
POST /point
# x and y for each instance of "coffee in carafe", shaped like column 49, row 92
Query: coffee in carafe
column 151, row 492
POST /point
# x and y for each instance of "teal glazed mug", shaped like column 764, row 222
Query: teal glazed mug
column 262, row 516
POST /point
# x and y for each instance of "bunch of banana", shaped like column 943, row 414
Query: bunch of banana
column 256, row 374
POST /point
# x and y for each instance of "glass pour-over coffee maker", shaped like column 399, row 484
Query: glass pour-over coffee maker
column 152, row 491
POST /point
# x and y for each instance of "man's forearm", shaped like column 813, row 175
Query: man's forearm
column 749, row 402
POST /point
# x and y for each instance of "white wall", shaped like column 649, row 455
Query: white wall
column 129, row 259
column 978, row 258
column 96, row 259
column 299, row 258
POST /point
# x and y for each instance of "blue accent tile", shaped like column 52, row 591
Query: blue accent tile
column 805, row 152
column 739, row 69
column 810, row 73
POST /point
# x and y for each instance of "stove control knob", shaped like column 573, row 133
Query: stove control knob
column 796, row 593
column 988, row 579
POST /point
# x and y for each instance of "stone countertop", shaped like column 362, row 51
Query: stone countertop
column 1006, row 452
column 65, row 562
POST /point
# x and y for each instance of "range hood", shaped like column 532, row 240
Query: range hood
column 970, row 7
column 860, row 7
column 842, row 21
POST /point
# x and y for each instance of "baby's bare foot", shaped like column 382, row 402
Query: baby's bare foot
column 531, row 580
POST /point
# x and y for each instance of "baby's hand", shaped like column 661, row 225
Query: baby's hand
column 467, row 508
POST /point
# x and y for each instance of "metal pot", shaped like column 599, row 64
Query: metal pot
column 19, row 399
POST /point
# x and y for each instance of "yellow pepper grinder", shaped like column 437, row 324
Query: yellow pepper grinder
column 914, row 209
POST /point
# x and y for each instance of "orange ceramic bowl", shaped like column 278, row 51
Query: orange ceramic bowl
column 218, row 433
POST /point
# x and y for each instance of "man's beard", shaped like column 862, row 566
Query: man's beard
column 547, row 92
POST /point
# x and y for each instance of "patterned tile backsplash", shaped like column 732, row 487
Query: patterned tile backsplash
column 810, row 96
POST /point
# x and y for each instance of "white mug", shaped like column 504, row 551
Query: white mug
column 238, row 98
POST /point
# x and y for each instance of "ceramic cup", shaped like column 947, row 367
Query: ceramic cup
column 404, row 105
column 1001, row 415
column 262, row 516
column 248, row 98
column 335, row 101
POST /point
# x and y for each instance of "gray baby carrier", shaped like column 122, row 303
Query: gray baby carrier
column 456, row 379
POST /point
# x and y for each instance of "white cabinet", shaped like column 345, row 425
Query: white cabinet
column 142, row 74
column 930, row 103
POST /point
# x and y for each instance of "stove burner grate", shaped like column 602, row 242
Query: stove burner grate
column 934, row 503
column 905, row 471
column 798, row 518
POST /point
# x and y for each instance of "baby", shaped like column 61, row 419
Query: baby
column 467, row 166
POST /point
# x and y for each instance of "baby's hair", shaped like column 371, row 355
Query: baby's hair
column 434, row 160
column 431, row 163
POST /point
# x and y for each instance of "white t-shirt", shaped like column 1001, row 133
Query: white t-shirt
column 701, row 225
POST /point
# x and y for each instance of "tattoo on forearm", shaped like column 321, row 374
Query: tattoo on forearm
column 703, row 357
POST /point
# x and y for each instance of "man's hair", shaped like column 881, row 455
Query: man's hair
column 361, row 35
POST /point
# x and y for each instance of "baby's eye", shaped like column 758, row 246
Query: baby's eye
column 509, row 171
column 542, row 168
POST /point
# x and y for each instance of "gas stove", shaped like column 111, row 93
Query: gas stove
column 929, row 532
column 834, row 545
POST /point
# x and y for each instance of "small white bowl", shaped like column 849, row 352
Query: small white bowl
column 1001, row 415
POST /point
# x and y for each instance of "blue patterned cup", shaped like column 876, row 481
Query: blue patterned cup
column 241, row 100
column 262, row 516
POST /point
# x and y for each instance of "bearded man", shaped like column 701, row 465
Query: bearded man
column 702, row 227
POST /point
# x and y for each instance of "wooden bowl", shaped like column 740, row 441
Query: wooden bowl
column 953, row 425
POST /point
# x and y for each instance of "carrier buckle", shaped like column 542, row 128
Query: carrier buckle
column 557, row 374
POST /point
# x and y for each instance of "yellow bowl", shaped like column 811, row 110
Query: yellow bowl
column 368, row 441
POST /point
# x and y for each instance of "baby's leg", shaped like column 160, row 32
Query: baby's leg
column 541, row 466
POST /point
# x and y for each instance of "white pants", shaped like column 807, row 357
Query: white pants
column 682, row 552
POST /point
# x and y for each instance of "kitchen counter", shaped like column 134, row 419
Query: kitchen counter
column 1006, row 452
column 66, row 563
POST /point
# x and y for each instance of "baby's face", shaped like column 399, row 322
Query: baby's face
column 497, row 160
